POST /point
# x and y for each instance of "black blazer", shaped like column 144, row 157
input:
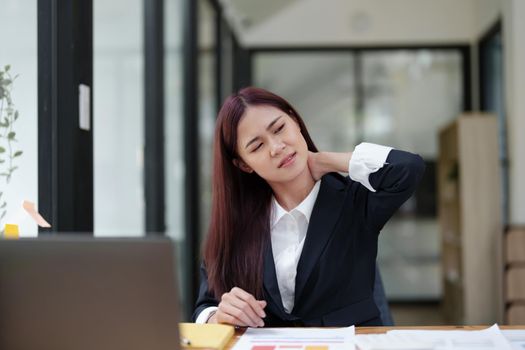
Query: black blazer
column 336, row 270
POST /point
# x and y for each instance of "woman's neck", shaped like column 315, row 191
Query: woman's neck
column 290, row 194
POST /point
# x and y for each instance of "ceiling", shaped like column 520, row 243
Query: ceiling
column 249, row 13
column 288, row 23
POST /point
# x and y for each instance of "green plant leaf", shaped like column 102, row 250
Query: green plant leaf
column 3, row 205
column 2, row 149
column 7, row 67
column 2, row 161
column 12, row 169
column 11, row 135
column 17, row 154
column 2, row 216
column 16, row 115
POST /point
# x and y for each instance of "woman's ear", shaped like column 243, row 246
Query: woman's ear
column 239, row 163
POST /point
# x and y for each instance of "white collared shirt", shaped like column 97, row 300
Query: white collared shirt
column 288, row 232
column 288, row 229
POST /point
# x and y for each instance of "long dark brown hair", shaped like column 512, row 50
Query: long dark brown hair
column 241, row 202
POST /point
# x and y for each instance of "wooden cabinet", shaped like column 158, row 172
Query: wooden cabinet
column 470, row 220
column 514, row 291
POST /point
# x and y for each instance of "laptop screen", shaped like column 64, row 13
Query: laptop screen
column 88, row 293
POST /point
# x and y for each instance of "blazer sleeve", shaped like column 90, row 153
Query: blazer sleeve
column 394, row 183
column 205, row 299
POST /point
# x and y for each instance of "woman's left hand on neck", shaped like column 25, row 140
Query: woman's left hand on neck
column 321, row 163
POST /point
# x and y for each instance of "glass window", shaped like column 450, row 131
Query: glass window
column 207, row 107
column 118, row 118
column 226, row 61
column 323, row 96
column 173, row 121
column 18, row 103
column 492, row 99
column 173, row 140
column 393, row 97
column 408, row 97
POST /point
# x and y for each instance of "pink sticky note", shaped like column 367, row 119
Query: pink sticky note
column 30, row 208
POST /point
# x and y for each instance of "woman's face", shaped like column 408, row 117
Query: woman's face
column 270, row 143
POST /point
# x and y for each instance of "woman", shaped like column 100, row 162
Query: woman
column 291, row 241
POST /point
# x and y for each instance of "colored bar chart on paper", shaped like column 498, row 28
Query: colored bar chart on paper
column 295, row 347
column 297, row 339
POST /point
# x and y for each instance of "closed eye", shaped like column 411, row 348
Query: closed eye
column 279, row 129
column 258, row 146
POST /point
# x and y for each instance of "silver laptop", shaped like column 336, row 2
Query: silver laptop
column 86, row 293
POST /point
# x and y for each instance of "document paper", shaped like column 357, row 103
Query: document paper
column 486, row 339
column 297, row 339
column 515, row 337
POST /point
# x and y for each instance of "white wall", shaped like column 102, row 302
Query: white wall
column 18, row 48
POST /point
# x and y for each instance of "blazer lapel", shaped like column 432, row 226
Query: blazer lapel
column 270, row 278
column 324, row 216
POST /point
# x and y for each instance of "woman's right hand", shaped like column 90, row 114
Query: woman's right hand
column 240, row 308
column 321, row 163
